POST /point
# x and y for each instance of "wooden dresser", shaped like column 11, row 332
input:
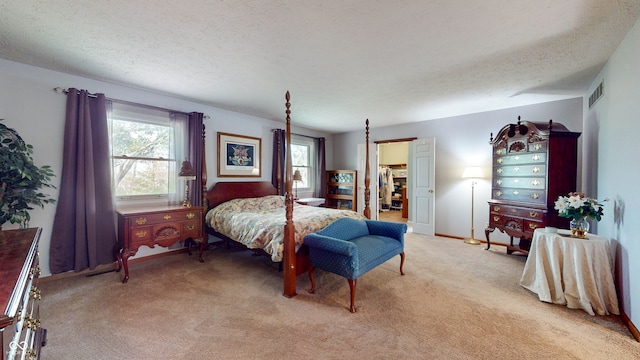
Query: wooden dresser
column 158, row 225
column 21, row 329
column 533, row 164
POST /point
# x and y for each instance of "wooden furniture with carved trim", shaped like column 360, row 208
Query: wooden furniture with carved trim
column 21, row 331
column 163, row 226
column 341, row 189
column 533, row 164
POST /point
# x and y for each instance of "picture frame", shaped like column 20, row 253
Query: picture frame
column 239, row 155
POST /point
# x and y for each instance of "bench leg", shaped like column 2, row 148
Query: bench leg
column 312, row 279
column 352, row 287
column 401, row 262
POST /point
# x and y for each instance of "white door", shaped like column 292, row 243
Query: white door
column 421, row 185
column 373, row 175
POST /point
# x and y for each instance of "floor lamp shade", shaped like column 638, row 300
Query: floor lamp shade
column 472, row 172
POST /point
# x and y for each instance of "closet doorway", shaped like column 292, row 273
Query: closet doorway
column 393, row 156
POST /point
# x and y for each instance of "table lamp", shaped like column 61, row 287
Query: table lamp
column 187, row 173
column 297, row 177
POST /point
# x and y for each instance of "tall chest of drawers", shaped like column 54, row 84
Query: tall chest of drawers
column 21, row 329
column 533, row 164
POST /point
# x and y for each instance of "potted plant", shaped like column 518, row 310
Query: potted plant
column 20, row 179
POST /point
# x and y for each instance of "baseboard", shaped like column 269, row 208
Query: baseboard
column 632, row 328
column 101, row 269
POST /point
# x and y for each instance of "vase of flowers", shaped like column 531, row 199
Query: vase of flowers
column 579, row 208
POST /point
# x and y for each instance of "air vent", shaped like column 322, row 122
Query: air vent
column 597, row 94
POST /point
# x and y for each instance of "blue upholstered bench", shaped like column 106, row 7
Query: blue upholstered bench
column 350, row 247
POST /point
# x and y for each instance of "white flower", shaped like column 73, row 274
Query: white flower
column 576, row 201
column 561, row 204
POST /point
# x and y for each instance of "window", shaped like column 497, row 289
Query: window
column 303, row 160
column 144, row 148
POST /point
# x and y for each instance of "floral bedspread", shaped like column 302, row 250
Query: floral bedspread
column 258, row 223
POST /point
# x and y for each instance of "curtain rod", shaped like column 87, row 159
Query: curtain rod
column 60, row 90
column 308, row 136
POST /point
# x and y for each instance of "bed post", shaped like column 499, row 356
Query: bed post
column 367, row 175
column 203, row 181
column 289, row 255
column 203, row 175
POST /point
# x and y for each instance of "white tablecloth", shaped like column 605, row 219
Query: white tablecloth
column 573, row 272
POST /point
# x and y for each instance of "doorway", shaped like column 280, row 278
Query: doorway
column 392, row 180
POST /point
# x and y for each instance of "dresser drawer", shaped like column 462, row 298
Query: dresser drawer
column 520, row 195
column 523, row 158
column 520, row 170
column 160, row 218
column 191, row 229
column 520, row 182
column 505, row 222
column 532, row 214
column 529, row 226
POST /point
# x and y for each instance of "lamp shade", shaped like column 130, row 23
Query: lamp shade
column 186, row 171
column 472, row 172
column 297, row 176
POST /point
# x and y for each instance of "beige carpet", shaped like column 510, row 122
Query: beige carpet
column 456, row 301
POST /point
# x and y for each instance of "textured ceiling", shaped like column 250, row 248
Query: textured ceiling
column 343, row 61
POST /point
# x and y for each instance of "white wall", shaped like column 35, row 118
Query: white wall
column 462, row 141
column 29, row 104
column 611, row 161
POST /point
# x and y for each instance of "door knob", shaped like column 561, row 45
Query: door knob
column 431, row 191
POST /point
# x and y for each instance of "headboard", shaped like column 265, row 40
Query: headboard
column 227, row 190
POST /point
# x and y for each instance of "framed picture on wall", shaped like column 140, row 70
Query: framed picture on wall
column 239, row 155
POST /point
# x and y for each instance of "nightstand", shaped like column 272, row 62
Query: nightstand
column 158, row 225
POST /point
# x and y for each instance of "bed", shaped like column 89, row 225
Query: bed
column 253, row 214
column 258, row 223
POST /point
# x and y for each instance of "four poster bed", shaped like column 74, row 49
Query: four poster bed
column 252, row 213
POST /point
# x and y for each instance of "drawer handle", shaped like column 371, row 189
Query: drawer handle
column 35, row 293
column 516, row 168
column 516, row 180
column 141, row 233
column 513, row 211
column 141, row 221
column 516, row 157
column 515, row 192
column 167, row 217
column 496, row 208
column 191, row 227
column 500, row 160
column 35, row 272
column 535, row 196
column 499, row 171
column 499, row 181
column 536, row 157
column 496, row 218
column 537, row 146
column 535, row 182
column 498, row 193
column 190, row 215
column 532, row 226
column 533, row 214
column 536, row 169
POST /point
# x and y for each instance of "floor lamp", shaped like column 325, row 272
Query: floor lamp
column 472, row 172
